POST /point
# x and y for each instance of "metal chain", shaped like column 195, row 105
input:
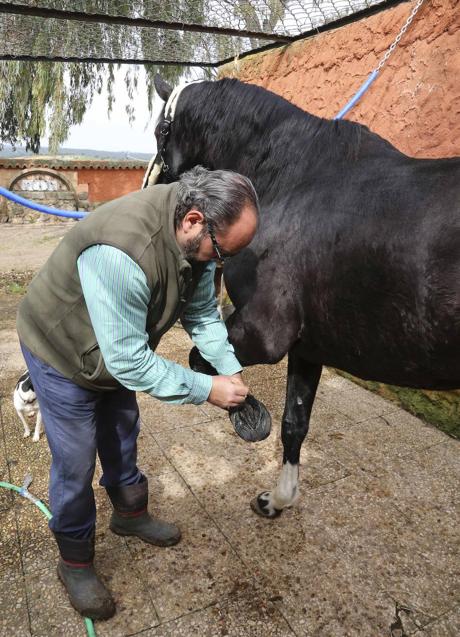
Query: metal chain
column 400, row 34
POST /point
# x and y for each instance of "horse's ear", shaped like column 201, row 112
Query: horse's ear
column 162, row 87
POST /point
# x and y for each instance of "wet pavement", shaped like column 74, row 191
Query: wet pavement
column 371, row 548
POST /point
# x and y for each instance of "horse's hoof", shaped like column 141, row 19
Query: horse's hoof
column 251, row 420
column 261, row 506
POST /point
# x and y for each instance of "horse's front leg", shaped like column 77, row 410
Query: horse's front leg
column 302, row 382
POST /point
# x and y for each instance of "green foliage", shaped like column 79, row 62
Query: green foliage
column 35, row 96
column 256, row 19
column 32, row 93
column 439, row 408
column 16, row 288
column 53, row 96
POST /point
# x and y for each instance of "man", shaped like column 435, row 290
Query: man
column 89, row 325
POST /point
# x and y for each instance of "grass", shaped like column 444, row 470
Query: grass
column 439, row 408
column 15, row 283
column 15, row 288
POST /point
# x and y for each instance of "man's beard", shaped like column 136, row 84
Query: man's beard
column 190, row 250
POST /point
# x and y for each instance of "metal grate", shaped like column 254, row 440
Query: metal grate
column 183, row 32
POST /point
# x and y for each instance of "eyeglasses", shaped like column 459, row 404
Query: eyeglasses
column 217, row 249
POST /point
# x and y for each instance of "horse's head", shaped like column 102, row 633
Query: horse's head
column 175, row 151
column 224, row 124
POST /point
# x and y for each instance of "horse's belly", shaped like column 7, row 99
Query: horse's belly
column 405, row 366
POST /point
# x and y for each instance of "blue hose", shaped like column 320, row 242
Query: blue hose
column 69, row 214
column 357, row 95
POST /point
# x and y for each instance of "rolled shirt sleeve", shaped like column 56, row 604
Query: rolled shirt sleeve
column 117, row 296
column 202, row 322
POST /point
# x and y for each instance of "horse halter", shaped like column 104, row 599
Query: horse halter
column 157, row 164
column 164, row 129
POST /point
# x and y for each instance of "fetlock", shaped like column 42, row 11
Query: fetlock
column 75, row 569
column 130, row 516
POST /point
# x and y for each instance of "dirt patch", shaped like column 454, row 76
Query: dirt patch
column 26, row 247
column 13, row 286
column 8, row 308
column 23, row 250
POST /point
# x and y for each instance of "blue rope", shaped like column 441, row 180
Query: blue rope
column 382, row 62
column 358, row 94
column 69, row 214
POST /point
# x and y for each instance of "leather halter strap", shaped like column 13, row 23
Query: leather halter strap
column 157, row 163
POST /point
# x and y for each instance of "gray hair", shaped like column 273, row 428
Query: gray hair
column 219, row 194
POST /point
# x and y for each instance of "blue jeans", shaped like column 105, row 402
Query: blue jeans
column 78, row 423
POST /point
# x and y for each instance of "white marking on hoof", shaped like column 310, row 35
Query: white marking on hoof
column 26, row 434
column 262, row 506
column 270, row 504
column 36, row 438
column 286, row 491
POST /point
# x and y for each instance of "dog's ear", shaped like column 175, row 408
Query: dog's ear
column 27, row 385
column 162, row 87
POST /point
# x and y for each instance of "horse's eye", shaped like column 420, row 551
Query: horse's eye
column 164, row 127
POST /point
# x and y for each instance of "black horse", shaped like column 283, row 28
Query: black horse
column 356, row 261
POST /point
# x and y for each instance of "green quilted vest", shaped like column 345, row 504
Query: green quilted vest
column 53, row 320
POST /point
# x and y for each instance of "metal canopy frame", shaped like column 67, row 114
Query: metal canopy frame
column 210, row 39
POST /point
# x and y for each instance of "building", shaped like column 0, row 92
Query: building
column 65, row 182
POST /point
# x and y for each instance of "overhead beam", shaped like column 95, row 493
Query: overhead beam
column 103, row 60
column 59, row 14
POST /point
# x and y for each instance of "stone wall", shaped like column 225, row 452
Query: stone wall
column 62, row 194
column 415, row 101
column 87, row 188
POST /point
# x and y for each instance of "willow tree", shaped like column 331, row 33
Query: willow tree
column 53, row 96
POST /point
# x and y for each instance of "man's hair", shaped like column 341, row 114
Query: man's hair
column 220, row 195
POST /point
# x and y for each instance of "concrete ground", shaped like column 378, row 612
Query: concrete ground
column 371, row 548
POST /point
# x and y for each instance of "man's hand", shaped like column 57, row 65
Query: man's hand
column 227, row 391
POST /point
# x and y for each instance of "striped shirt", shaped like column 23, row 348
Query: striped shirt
column 117, row 296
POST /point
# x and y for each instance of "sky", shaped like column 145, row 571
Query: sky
column 98, row 131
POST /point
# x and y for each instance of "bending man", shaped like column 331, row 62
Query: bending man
column 89, row 325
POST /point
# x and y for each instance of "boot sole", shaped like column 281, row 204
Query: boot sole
column 169, row 542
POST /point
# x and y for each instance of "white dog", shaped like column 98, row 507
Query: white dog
column 26, row 405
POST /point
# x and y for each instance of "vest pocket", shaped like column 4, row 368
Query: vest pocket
column 93, row 369
column 90, row 361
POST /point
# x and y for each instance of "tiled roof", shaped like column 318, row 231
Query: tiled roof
column 70, row 163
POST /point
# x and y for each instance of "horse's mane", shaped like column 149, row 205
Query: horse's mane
column 229, row 98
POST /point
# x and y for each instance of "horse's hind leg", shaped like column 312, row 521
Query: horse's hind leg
column 303, row 379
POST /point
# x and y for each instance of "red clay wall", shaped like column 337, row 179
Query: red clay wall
column 104, row 185
column 415, row 101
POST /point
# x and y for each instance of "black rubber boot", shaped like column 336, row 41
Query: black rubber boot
column 75, row 569
column 130, row 516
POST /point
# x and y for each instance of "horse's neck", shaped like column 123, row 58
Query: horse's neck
column 281, row 138
column 268, row 148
